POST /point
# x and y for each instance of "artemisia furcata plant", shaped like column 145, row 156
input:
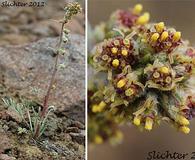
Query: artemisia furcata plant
column 149, row 70
column 70, row 10
column 36, row 119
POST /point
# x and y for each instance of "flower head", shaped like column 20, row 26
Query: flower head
column 115, row 53
column 163, row 39
column 71, row 9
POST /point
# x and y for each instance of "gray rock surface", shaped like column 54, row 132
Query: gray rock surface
column 27, row 68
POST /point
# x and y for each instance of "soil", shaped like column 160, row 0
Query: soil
column 25, row 67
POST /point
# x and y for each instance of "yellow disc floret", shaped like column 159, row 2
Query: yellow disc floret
column 95, row 108
column 184, row 129
column 148, row 123
column 182, row 120
column 164, row 70
column 155, row 37
column 121, row 83
column 176, row 36
column 137, row 9
column 114, row 50
column 137, row 120
column 160, row 27
column 143, row 19
column 98, row 108
column 124, row 52
column 164, row 36
column 115, row 63
column 102, row 105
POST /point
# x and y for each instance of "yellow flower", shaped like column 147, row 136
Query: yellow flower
column 143, row 19
column 115, row 62
column 95, row 108
column 114, row 50
column 184, row 129
column 129, row 92
column 176, row 36
column 137, row 9
column 121, row 83
column 102, row 105
column 98, row 108
column 160, row 27
column 182, row 120
column 164, row 36
column 155, row 37
column 98, row 139
column 124, row 52
column 148, row 123
column 137, row 120
column 164, row 70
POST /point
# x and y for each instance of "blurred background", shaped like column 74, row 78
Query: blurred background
column 136, row 144
column 20, row 25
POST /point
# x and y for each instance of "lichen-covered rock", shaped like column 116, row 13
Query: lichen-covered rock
column 27, row 68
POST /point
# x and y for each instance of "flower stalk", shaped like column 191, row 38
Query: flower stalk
column 70, row 10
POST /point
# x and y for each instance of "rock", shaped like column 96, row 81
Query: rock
column 4, row 142
column 78, row 125
column 25, row 68
column 3, row 115
column 73, row 129
column 78, row 137
column 6, row 157
column 31, row 152
column 34, row 23
column 13, row 115
column 14, row 39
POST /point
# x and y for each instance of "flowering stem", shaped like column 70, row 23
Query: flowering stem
column 70, row 10
column 47, row 96
column 46, row 99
